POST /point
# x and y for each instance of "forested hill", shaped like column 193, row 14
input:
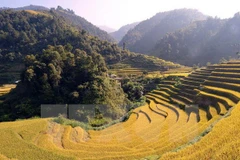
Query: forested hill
column 118, row 35
column 29, row 32
column 73, row 19
column 82, row 23
column 146, row 34
column 62, row 64
column 201, row 42
column 30, row 7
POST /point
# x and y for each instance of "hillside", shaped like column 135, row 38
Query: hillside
column 188, row 45
column 30, row 7
column 201, row 42
column 73, row 19
column 167, row 127
column 82, row 23
column 146, row 34
column 107, row 29
column 61, row 75
column 29, row 32
column 118, row 35
column 57, row 63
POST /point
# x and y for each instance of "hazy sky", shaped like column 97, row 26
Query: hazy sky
column 116, row 13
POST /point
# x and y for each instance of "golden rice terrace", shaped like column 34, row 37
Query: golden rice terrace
column 196, row 119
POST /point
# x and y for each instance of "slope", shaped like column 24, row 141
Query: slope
column 164, row 125
column 201, row 42
column 82, row 23
column 29, row 32
column 118, row 35
column 72, row 18
column 146, row 34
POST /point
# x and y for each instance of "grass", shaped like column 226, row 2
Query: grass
column 156, row 75
column 6, row 88
column 158, row 129
column 37, row 13
column 233, row 95
column 227, row 100
column 125, row 70
column 223, row 139
column 17, row 141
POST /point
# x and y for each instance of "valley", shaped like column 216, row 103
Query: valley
column 162, row 88
column 175, row 121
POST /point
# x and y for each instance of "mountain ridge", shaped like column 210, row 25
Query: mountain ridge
column 144, row 36
column 118, row 35
column 73, row 19
column 202, row 42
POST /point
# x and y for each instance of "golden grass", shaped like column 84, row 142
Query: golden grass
column 183, row 72
column 226, row 91
column 132, row 139
column 135, row 138
column 166, row 75
column 221, row 143
column 228, row 101
column 4, row 89
column 36, row 13
column 222, row 108
column 157, row 128
column 17, row 140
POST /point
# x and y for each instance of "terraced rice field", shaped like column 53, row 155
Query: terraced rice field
column 198, row 119
column 184, row 71
column 4, row 89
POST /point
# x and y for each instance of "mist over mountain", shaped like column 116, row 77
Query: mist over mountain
column 59, row 63
column 118, row 35
column 72, row 19
column 30, row 7
column 107, row 29
column 201, row 42
column 146, row 34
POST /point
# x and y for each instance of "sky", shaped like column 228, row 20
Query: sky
column 116, row 13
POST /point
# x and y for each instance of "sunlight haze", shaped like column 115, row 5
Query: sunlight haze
column 116, row 13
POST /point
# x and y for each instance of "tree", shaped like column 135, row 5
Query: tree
column 124, row 46
column 59, row 76
column 238, row 54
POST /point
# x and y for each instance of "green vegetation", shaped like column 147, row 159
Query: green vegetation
column 62, row 76
column 211, row 40
column 118, row 35
column 146, row 34
column 143, row 107
column 83, row 24
column 23, row 33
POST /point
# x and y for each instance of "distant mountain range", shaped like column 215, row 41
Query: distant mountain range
column 146, row 34
column 107, row 29
column 184, row 36
column 201, row 42
column 30, row 7
column 118, row 35
column 73, row 19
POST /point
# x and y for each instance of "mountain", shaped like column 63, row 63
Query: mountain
column 29, row 32
column 72, row 19
column 30, row 7
column 146, row 34
column 107, row 29
column 118, row 35
column 201, row 42
column 82, row 23
column 62, row 64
